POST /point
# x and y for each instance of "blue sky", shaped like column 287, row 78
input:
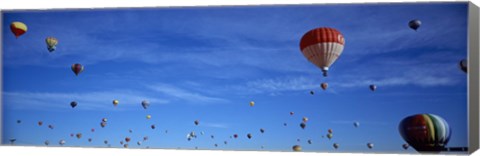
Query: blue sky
column 208, row 63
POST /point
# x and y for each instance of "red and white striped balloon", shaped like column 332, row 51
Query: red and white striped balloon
column 322, row 46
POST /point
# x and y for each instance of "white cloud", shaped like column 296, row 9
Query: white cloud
column 185, row 95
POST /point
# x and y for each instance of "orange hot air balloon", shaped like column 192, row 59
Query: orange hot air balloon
column 324, row 86
column 18, row 28
column 322, row 47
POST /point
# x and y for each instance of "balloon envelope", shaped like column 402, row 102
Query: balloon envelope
column 51, row 43
column 77, row 68
column 464, row 65
column 425, row 132
column 414, row 24
column 18, row 28
column 297, row 148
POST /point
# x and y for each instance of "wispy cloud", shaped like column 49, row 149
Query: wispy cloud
column 88, row 101
column 215, row 125
column 185, row 95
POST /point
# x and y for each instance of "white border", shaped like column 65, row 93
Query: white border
column 6, row 5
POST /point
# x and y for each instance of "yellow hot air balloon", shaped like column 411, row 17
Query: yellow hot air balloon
column 297, row 148
column 305, row 119
column 252, row 103
column 115, row 102
column 149, row 116
column 18, row 28
column 51, row 43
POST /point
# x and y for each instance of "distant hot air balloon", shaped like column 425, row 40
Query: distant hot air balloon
column 373, row 87
column 370, row 145
column 309, row 141
column 73, row 104
column 296, row 148
column 335, row 145
column 291, row 113
column 225, row 142
column 330, row 131
column 105, row 141
column 196, row 122
column 77, row 68
column 139, row 143
column 249, row 136
column 284, row 124
column 79, row 135
column 463, row 65
column 303, row 125
column 127, row 139
column 425, row 132
column 46, row 142
column 152, row 126
column 72, row 135
column 125, row 145
column 405, row 146
column 104, row 119
column 322, row 47
column 414, row 24
column 121, row 142
column 149, row 116
column 12, row 140
column 50, row 126
column 145, row 138
column 235, row 136
column 216, row 145
column 93, row 130
column 18, row 28
column 329, row 136
column 305, row 119
column 262, row 130
column 19, row 121
column 145, row 104
column 356, row 124
column 211, row 136
column 40, row 123
column 103, row 124
column 202, row 133
column 115, row 103
column 51, row 43
column 311, row 92
column 89, row 139
column 252, row 103
column 62, row 142
column 324, row 86
column 130, row 131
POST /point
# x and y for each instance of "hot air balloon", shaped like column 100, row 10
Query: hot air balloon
column 463, row 65
column 284, row 124
column 311, row 92
column 249, row 136
column 252, row 103
column 50, row 126
column 105, row 141
column 121, row 142
column 335, row 145
column 330, row 131
column 125, row 145
column 296, row 148
column 298, row 140
column 51, row 43
column 18, row 28
column 309, row 141
column 93, row 130
column 77, row 68
column 145, row 138
column 216, row 145
column 139, row 143
column 103, row 124
column 370, row 145
column 104, row 119
column 304, row 119
column 46, row 142
column 79, row 135
column 145, row 104
column 73, row 104
column 211, row 136
column 202, row 133
column 324, row 86
column 414, row 24
column 149, row 116
column 12, row 141
column 322, row 46
column 356, row 124
column 89, row 139
column 130, row 131
column 235, row 136
column 262, row 130
column 127, row 139
column 152, row 126
column 405, row 146
column 291, row 113
column 373, row 87
column 115, row 103
column 19, row 121
column 425, row 132
column 62, row 142
column 71, row 134
column 196, row 122
column 40, row 123
column 303, row 125
column 225, row 142
column 329, row 136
